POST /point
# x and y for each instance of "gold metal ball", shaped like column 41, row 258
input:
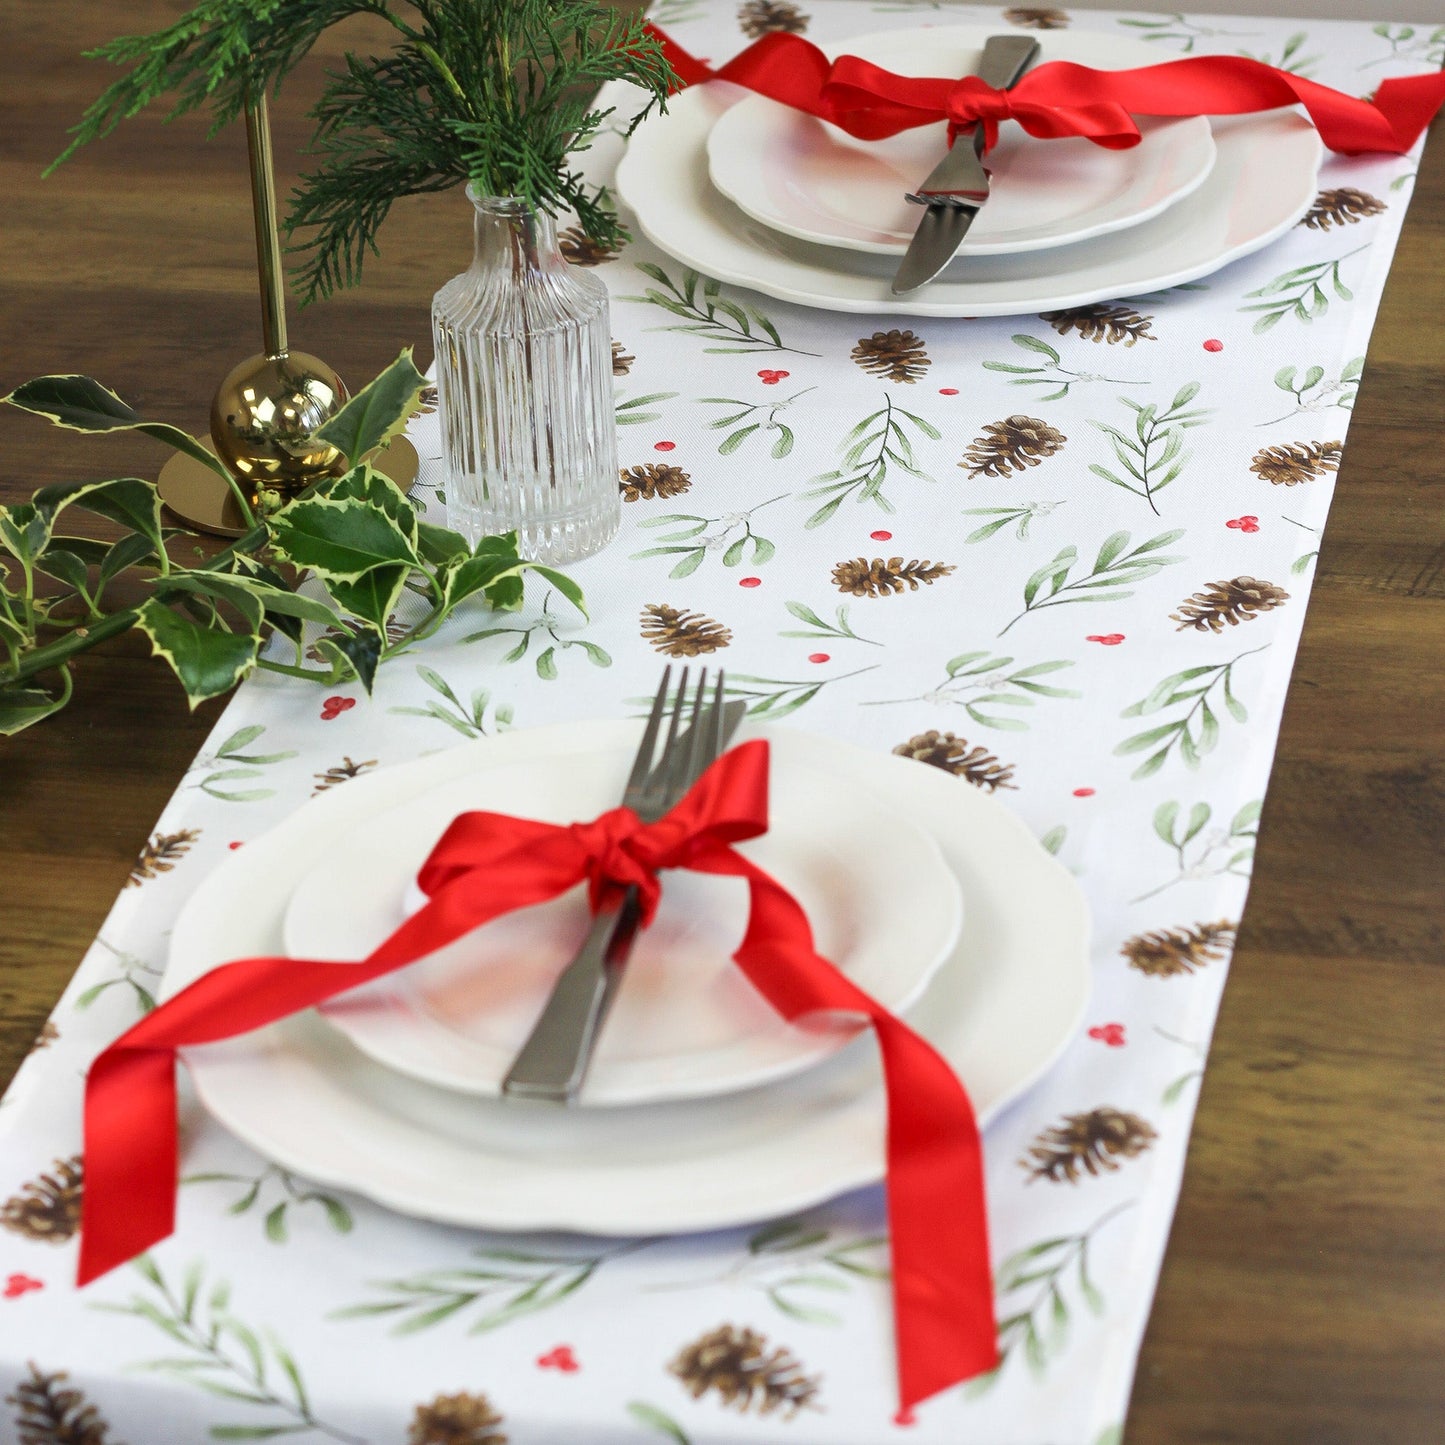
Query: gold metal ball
column 264, row 417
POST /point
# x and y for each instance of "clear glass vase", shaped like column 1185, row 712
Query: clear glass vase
column 524, row 378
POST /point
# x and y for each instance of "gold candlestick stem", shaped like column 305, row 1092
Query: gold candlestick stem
column 268, row 245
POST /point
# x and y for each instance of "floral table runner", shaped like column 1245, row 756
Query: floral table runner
column 1062, row 557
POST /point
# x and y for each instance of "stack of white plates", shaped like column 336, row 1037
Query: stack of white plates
column 703, row 1108
column 747, row 190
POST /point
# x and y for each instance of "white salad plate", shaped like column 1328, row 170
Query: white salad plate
column 806, row 178
column 1261, row 183
column 686, row 1022
column 1001, row 1009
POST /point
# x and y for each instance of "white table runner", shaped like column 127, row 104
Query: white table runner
column 860, row 518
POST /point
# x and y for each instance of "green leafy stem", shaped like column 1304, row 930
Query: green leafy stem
column 817, row 629
column 1195, row 732
column 1037, row 1322
column 1154, row 455
column 545, row 627
column 224, row 1356
column 1300, row 293
column 732, row 539
column 1221, row 851
column 469, row 718
column 507, row 1283
column 230, row 764
column 711, row 315
column 338, row 1216
column 1177, row 27
column 978, row 681
column 634, row 411
column 879, row 439
column 1340, row 392
column 356, row 533
column 1115, row 570
column 132, row 968
column 767, row 422
column 1016, row 517
column 1050, row 372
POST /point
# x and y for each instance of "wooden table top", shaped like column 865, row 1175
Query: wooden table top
column 1301, row 1298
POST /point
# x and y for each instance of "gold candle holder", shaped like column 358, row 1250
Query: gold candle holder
column 266, row 412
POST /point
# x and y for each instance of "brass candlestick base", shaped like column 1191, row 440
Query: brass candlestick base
column 265, row 415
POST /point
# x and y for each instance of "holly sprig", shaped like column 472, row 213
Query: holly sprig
column 356, row 534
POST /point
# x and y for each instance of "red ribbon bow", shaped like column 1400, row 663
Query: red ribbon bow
column 1063, row 99
column 487, row 864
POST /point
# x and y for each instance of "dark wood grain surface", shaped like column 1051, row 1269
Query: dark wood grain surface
column 1303, row 1296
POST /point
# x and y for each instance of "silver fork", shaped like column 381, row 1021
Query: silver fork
column 553, row 1062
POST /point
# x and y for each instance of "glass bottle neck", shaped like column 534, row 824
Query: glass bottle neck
column 515, row 238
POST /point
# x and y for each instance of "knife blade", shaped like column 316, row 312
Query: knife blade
column 958, row 185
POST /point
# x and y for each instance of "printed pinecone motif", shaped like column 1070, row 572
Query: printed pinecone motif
column 46, row 1414
column 1091, row 1142
column 428, row 399
column 951, row 753
column 1296, row 462
column 47, row 1209
column 1170, row 951
column 1102, row 322
column 1241, row 599
column 621, row 361
column 1034, row 18
column 897, row 355
column 678, row 633
column 762, row 17
column 460, row 1419
column 738, row 1365
column 880, row 579
column 1341, row 206
column 160, row 855
column 578, row 248
column 343, row 772
column 47, row 1036
column 653, row 479
column 1010, row 445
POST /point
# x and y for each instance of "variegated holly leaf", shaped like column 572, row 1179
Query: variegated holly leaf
column 378, row 412
column 130, row 501
column 340, row 541
column 22, row 706
column 207, row 660
column 80, row 403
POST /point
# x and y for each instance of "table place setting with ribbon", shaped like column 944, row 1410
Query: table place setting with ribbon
column 508, row 1047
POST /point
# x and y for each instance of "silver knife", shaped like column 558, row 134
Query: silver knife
column 958, row 185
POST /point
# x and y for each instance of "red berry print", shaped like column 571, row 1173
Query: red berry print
column 664, row 446
column 335, row 706
column 1213, row 345
column 819, row 657
column 1244, row 524
column 1083, row 792
column 1109, row 639
column 19, row 1284
column 905, row 1417
column 750, row 581
column 560, row 1358
column 237, row 844
column 1111, row 1034
column 881, row 536
column 948, row 391
column 772, row 378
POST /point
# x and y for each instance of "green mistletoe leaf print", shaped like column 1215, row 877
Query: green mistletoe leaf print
column 709, row 315
column 759, row 418
column 231, row 762
column 552, row 644
column 1049, row 372
column 692, row 543
column 1222, row 850
column 1301, row 293
column 469, row 718
column 1409, row 43
column 1016, row 517
column 1290, row 60
column 877, row 442
column 140, row 977
column 1312, row 392
column 1194, row 732
column 655, row 1419
column 816, row 629
column 1153, row 455
column 1117, row 569
column 771, row 697
column 274, row 1216
column 1176, row 27
column 981, row 683
column 633, row 410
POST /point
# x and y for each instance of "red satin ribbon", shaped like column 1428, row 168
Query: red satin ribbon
column 1063, row 99
column 487, row 864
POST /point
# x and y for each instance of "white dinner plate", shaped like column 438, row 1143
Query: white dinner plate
column 799, row 175
column 1001, row 1009
column 686, row 1022
column 1261, row 183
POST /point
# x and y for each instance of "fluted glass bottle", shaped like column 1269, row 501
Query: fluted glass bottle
column 524, row 378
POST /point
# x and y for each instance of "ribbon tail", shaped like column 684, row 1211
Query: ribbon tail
column 131, row 1158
